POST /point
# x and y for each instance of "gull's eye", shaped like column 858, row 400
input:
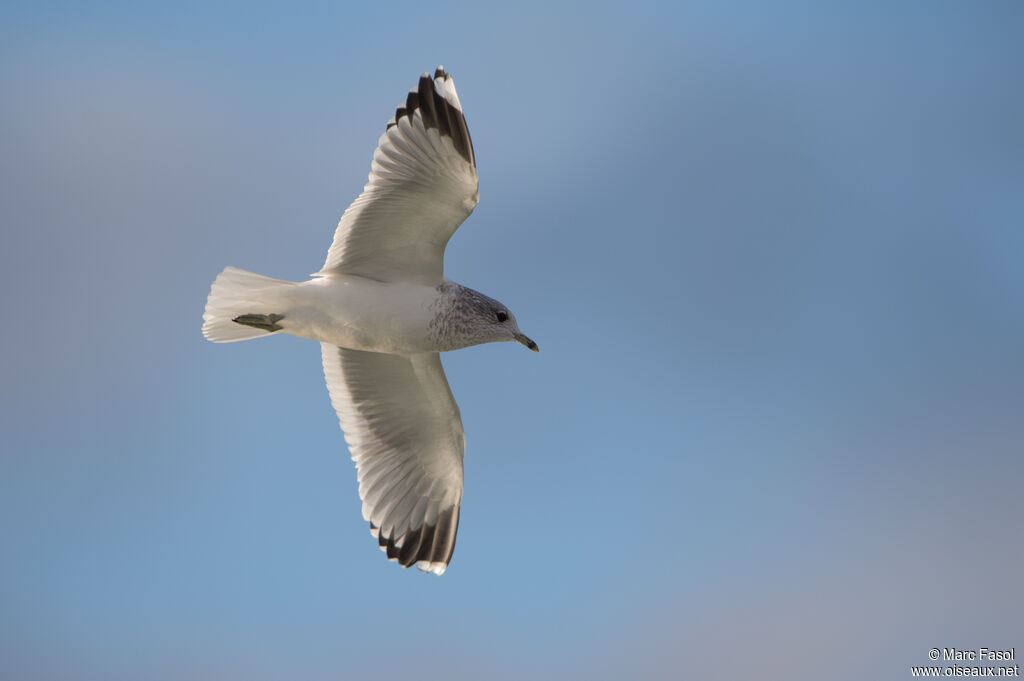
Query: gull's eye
column 502, row 316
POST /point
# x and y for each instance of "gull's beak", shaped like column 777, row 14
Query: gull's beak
column 520, row 338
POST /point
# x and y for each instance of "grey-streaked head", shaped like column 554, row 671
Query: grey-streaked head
column 466, row 317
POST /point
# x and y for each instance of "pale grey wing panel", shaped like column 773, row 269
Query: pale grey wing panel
column 405, row 434
column 423, row 184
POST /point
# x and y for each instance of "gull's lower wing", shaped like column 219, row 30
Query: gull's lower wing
column 405, row 434
column 423, row 184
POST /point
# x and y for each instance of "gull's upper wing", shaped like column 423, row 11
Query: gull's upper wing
column 423, row 184
column 405, row 434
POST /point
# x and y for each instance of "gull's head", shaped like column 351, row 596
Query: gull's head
column 503, row 325
column 475, row 318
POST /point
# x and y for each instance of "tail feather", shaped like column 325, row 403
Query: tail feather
column 236, row 293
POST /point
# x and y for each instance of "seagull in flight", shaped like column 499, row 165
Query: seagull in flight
column 382, row 311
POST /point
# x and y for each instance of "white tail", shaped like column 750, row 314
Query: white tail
column 237, row 292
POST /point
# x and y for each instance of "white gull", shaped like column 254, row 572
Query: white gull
column 382, row 310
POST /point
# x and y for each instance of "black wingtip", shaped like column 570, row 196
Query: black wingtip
column 428, row 543
column 438, row 113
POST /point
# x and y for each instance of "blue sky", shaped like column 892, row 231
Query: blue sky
column 772, row 257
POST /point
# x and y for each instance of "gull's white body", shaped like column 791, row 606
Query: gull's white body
column 349, row 310
column 382, row 310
